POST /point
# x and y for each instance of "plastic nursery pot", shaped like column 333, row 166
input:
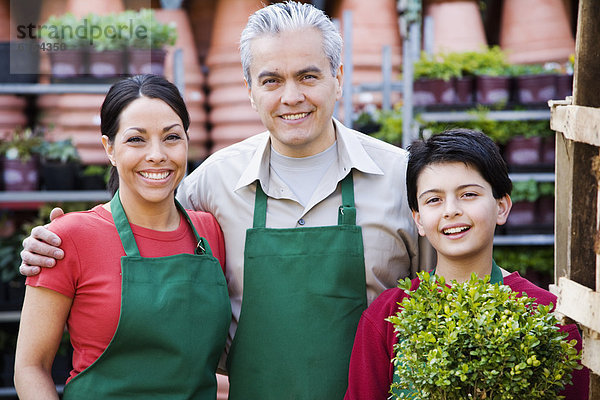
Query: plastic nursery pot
column 465, row 90
column 564, row 86
column 58, row 176
column 19, row 175
column 522, row 213
column 545, row 210
column 67, row 63
column 549, row 151
column 535, row 88
column 523, row 151
column 493, row 89
column 433, row 91
column 106, row 64
column 141, row 61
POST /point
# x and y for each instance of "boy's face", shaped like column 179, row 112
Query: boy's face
column 457, row 211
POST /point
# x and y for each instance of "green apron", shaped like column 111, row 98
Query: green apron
column 304, row 292
column 175, row 314
column 495, row 277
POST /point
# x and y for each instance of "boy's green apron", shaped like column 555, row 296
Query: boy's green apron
column 495, row 277
column 175, row 314
column 304, row 292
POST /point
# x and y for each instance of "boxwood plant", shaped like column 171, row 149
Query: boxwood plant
column 476, row 340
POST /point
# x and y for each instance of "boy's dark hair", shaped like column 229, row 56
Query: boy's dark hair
column 468, row 146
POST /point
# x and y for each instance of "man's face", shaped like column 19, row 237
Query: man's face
column 294, row 92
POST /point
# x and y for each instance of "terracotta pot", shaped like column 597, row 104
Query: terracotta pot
column 433, row 91
column 106, row 64
column 19, row 175
column 374, row 25
column 12, row 113
column 142, row 61
column 493, row 89
column 535, row 88
column 535, row 31
column 457, row 25
column 523, row 151
column 194, row 95
column 465, row 90
column 231, row 114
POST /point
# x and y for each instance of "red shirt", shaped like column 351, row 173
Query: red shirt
column 371, row 369
column 90, row 271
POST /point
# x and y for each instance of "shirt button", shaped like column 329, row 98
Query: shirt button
column 301, row 221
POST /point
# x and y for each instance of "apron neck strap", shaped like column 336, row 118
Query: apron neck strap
column 126, row 234
column 495, row 276
column 346, row 212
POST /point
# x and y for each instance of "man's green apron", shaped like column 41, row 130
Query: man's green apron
column 495, row 277
column 175, row 314
column 304, row 292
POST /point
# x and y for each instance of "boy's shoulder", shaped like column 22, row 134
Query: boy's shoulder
column 521, row 285
column 386, row 303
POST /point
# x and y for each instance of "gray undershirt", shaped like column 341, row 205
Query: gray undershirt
column 303, row 175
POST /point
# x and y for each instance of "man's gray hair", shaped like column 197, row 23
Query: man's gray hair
column 288, row 16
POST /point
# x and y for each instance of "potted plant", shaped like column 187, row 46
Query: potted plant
column 65, row 39
column 536, row 264
column 93, row 177
column 492, row 75
column 59, row 165
column 109, row 40
column 525, row 147
column 534, row 83
column 475, row 340
column 19, row 153
column 148, row 41
column 390, row 126
column 433, row 80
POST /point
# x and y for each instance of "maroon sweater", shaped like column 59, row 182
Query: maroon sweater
column 371, row 370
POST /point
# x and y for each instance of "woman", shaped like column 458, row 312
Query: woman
column 143, row 298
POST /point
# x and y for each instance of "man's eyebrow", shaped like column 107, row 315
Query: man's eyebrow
column 311, row 68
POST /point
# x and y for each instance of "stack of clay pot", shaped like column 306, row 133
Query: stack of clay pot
column 536, row 31
column 231, row 114
column 76, row 116
column 12, row 108
column 193, row 80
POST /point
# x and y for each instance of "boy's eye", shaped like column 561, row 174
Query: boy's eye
column 470, row 194
column 432, row 200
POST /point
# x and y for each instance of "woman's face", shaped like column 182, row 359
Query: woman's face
column 149, row 151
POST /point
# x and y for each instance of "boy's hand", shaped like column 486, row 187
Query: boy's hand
column 40, row 249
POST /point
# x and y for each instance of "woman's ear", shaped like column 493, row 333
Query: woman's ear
column 504, row 205
column 109, row 149
column 417, row 218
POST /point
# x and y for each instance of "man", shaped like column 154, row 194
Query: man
column 296, row 204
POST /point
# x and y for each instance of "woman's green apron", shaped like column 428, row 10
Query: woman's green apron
column 304, row 292
column 175, row 314
column 495, row 277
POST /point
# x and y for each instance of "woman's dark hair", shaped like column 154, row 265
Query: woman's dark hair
column 471, row 147
column 122, row 93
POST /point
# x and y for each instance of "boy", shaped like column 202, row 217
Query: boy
column 458, row 190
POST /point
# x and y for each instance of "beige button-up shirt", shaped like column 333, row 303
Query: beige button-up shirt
column 224, row 185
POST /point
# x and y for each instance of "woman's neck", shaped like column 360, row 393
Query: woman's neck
column 162, row 216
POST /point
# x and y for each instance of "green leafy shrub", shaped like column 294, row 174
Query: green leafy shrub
column 478, row 341
column 390, row 126
column 62, row 151
column 525, row 191
column 435, row 67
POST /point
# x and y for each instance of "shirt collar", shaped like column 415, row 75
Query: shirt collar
column 351, row 154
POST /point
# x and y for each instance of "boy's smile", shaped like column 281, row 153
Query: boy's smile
column 458, row 214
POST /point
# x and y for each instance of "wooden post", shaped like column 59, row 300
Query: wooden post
column 575, row 235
